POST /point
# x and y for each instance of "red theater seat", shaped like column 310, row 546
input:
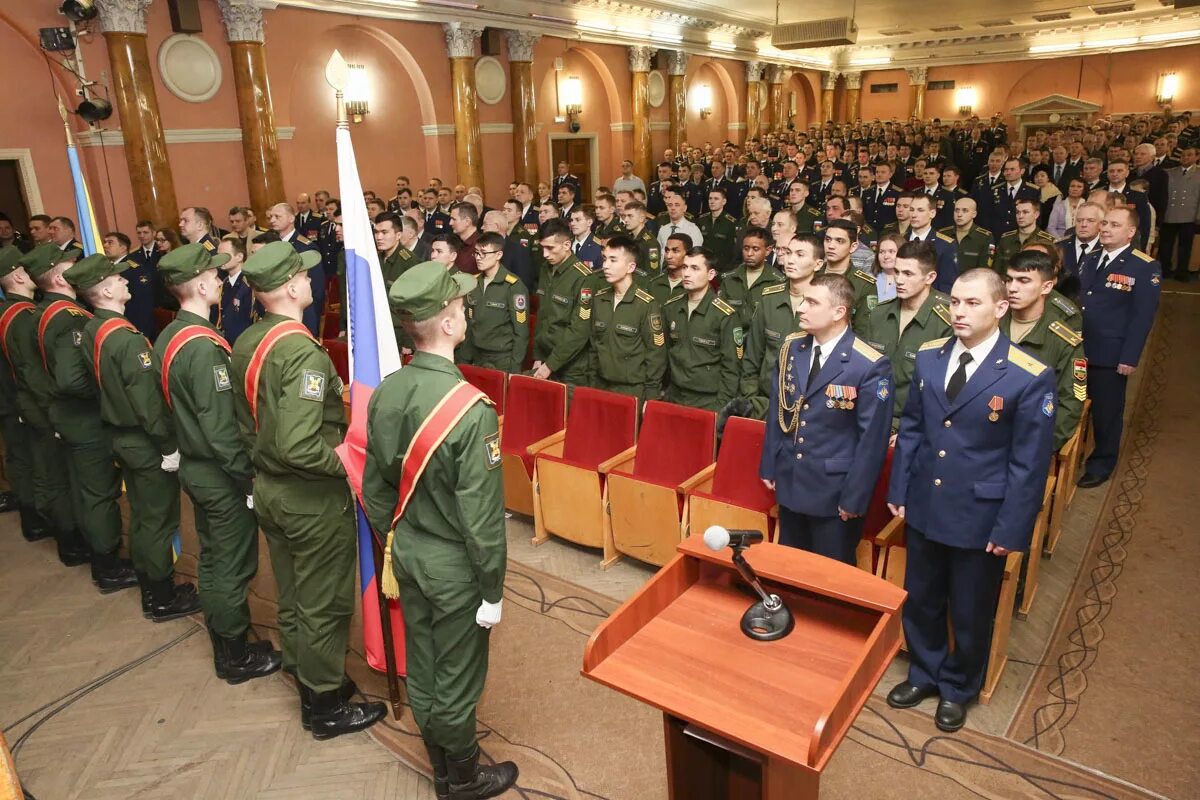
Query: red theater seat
column 339, row 354
column 492, row 382
column 536, row 411
column 729, row 492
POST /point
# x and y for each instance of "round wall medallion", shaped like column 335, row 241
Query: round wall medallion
column 1055, row 118
column 490, row 80
column 657, row 89
column 189, row 68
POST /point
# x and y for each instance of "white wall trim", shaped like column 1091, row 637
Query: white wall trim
column 660, row 126
column 736, row 126
column 620, row 127
column 496, row 127
column 114, row 137
column 29, row 184
column 594, row 149
column 438, row 130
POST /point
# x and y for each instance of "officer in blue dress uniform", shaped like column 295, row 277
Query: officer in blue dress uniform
column 1119, row 292
column 968, row 474
column 1001, row 212
column 142, row 279
column 921, row 229
column 237, row 309
column 879, row 204
column 828, row 421
column 282, row 219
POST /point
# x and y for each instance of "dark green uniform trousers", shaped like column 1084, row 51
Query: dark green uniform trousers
column 447, row 651
column 309, row 525
column 95, row 490
column 687, row 397
column 51, row 482
column 18, row 458
column 153, row 502
column 228, row 533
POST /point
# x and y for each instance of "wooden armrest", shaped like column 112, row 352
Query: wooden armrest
column 543, row 444
column 1051, row 482
column 703, row 476
column 890, row 533
column 619, row 460
column 774, row 512
column 1012, row 563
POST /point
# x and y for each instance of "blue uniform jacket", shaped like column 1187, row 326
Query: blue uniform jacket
column 964, row 479
column 947, row 258
column 143, row 293
column 590, row 253
column 881, row 211
column 237, row 310
column 1118, row 306
column 832, row 457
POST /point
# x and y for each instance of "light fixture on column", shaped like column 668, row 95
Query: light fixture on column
column 78, row 10
column 572, row 101
column 966, row 98
column 357, row 103
column 704, row 100
column 1168, row 85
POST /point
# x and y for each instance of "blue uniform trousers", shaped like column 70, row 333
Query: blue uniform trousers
column 966, row 583
column 1106, row 388
column 825, row 536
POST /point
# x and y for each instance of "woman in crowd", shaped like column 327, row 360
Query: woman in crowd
column 1062, row 216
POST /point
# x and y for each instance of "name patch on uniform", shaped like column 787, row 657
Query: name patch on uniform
column 495, row 304
column 491, row 450
column 144, row 360
column 623, row 328
column 221, row 378
column 1048, row 404
column 313, row 385
column 77, row 337
column 704, row 341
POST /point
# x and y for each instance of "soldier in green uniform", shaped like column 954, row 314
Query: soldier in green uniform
column 291, row 416
column 743, row 286
column 903, row 212
column 1027, row 231
column 214, row 468
column 566, row 289
column 841, row 237
column 139, row 429
column 608, row 224
column 633, row 217
column 448, row 553
column 719, row 229
column 669, row 283
column 394, row 259
column 18, row 457
column 497, row 312
column 1048, row 333
column 916, row 315
column 976, row 245
column 704, row 338
column 74, row 415
column 808, row 219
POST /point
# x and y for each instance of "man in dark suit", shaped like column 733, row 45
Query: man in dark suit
column 282, row 219
column 1118, row 183
column 142, row 279
column 1001, row 214
column 968, row 474
column 879, row 207
column 307, row 222
column 1156, row 176
column 1076, row 245
column 1061, row 169
column 146, row 252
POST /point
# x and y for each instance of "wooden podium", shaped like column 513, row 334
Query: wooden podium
column 749, row 720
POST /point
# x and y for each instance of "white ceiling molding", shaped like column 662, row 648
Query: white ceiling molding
column 113, row 137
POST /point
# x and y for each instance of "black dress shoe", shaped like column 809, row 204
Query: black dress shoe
column 1091, row 480
column 470, row 780
column 950, row 716
column 111, row 574
column 332, row 716
column 346, row 691
column 237, row 661
column 170, row 600
column 907, row 695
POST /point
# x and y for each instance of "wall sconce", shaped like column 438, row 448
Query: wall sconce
column 357, row 104
column 704, row 100
column 966, row 99
column 572, row 101
column 1168, row 85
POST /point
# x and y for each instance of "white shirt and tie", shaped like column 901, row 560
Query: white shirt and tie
column 1109, row 256
column 1012, row 190
column 820, row 354
column 978, row 354
column 1058, row 172
column 919, row 236
column 1082, row 248
column 682, row 225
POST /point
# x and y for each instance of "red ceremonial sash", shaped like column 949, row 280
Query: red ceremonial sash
column 50, row 313
column 107, row 328
column 259, row 359
column 186, row 334
column 6, row 320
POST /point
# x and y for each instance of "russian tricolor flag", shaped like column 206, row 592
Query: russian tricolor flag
column 373, row 356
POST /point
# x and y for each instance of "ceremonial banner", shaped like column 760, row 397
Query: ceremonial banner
column 89, row 234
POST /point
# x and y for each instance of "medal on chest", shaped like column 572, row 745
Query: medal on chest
column 996, row 404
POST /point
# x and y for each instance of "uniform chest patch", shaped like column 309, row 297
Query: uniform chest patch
column 623, row 328
column 491, row 450
column 519, row 302
column 144, row 360
column 76, row 337
column 312, row 386
column 221, row 379
column 1048, row 404
column 883, row 389
column 496, row 304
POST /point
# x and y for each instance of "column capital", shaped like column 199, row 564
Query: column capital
column 916, row 75
column 829, row 80
column 853, row 80
column 122, row 16
column 775, row 73
column 639, row 58
column 521, row 44
column 461, row 38
column 243, row 20
column 677, row 62
column 754, row 71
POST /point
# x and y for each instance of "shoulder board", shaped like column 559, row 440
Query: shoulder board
column 1029, row 185
column 1025, row 361
column 949, row 230
column 645, row 297
column 729, row 217
column 1044, row 235
column 302, row 239
column 982, row 229
column 510, row 278
column 1061, row 240
column 1065, row 305
column 866, row 276
column 775, row 288
column 942, row 311
column 647, row 236
column 579, row 265
column 720, row 305
column 208, row 245
column 679, row 297
column 945, row 238
column 866, row 351
column 1007, row 234
column 1142, row 256
column 934, row 344
column 1065, row 333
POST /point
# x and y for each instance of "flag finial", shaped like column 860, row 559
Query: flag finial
column 62, row 112
column 337, row 75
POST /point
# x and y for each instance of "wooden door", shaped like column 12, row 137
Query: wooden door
column 578, row 155
column 12, row 197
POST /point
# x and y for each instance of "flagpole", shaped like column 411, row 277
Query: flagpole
column 336, row 75
column 62, row 112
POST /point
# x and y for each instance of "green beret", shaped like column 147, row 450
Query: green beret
column 41, row 258
column 424, row 290
column 184, row 263
column 10, row 257
column 87, row 272
column 275, row 264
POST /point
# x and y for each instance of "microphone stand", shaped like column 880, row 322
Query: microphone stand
column 768, row 619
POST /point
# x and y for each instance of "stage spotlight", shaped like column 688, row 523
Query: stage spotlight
column 78, row 10
column 94, row 110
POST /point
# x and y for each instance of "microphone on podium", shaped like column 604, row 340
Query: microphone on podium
column 768, row 619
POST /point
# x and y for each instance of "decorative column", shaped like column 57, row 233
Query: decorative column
column 776, row 112
column 524, row 111
column 460, row 42
column 677, row 93
column 853, row 96
column 260, row 143
column 123, row 23
column 828, row 84
column 639, row 67
column 753, row 99
column 916, row 99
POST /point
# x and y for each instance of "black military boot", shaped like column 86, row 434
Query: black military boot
column 470, row 780
column 169, row 600
column 332, row 716
column 111, row 574
column 72, row 549
column 346, row 691
column 441, row 771
column 144, row 586
column 244, row 661
column 8, row 502
column 33, row 527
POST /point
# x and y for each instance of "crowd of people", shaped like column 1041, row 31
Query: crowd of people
column 942, row 289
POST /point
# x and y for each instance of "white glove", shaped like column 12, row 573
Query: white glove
column 250, row 502
column 488, row 614
column 170, row 462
